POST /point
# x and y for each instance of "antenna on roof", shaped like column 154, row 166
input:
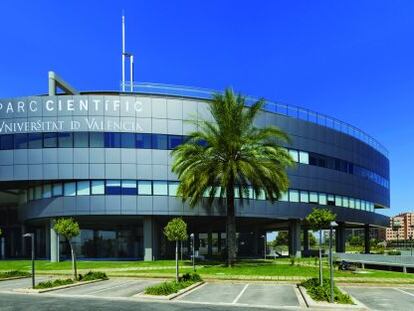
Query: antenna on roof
column 124, row 56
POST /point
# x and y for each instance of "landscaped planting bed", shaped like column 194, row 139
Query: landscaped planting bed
column 172, row 287
column 322, row 293
column 90, row 276
column 14, row 274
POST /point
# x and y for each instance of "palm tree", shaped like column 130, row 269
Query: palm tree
column 231, row 154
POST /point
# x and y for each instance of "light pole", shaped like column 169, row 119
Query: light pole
column 192, row 246
column 331, row 226
column 31, row 236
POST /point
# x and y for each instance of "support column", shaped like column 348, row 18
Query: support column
column 54, row 243
column 294, row 238
column 2, row 248
column 340, row 238
column 367, row 236
column 47, row 240
column 306, row 242
column 23, row 245
column 255, row 245
column 148, row 238
column 210, row 244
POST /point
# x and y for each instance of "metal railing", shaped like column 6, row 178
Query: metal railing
column 377, row 259
column 279, row 108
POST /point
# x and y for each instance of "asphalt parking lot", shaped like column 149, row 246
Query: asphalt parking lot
column 244, row 294
column 21, row 283
column 383, row 298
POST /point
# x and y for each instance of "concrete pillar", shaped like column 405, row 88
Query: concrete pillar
column 47, row 240
column 294, row 238
column 210, row 244
column 54, row 244
column 306, row 241
column 148, row 238
column 367, row 239
column 256, row 238
column 2, row 248
column 340, row 238
column 23, row 245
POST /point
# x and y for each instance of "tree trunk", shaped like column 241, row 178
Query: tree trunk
column 231, row 227
column 320, row 258
column 74, row 268
column 176, row 261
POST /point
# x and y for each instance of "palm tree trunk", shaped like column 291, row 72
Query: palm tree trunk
column 231, row 227
column 176, row 261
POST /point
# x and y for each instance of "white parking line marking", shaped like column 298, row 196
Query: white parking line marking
column 240, row 294
column 109, row 288
column 403, row 291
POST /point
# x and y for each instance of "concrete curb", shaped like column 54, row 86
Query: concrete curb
column 357, row 306
column 171, row 296
column 45, row 290
column 15, row 278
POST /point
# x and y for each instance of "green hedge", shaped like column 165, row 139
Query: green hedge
column 167, row 288
column 93, row 275
column 13, row 274
column 55, row 283
column 323, row 293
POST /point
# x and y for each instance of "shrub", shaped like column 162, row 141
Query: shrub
column 55, row 283
column 168, row 288
column 95, row 275
column 394, row 252
column 322, row 293
column 292, row 260
column 13, row 274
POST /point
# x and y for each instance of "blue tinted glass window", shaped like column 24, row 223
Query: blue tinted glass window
column 81, row 139
column 50, row 140
column 112, row 140
column 35, row 140
column 96, row 139
column 143, row 141
column 20, row 141
column 129, row 187
column 174, row 141
column 6, row 142
column 113, row 187
column 65, row 140
column 128, row 140
column 159, row 141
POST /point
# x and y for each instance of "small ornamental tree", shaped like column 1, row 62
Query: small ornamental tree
column 317, row 220
column 176, row 230
column 68, row 228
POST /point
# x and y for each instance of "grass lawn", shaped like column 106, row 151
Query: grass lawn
column 278, row 269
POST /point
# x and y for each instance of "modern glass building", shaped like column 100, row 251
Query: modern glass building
column 104, row 159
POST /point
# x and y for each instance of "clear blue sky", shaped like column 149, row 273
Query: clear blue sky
column 350, row 59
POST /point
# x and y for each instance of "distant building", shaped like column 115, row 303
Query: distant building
column 401, row 227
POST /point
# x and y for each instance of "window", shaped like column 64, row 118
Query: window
column 322, row 199
column 47, row 191
column 129, row 187
column 338, row 200
column 143, row 141
column 358, row 204
column 159, row 141
column 144, row 187
column 331, row 199
column 172, row 188
column 20, row 141
column 303, row 157
column 127, row 140
column 34, row 140
column 81, row 139
column 112, row 140
column 174, row 141
column 284, row 197
column 57, row 190
column 38, row 192
column 83, row 188
column 351, row 203
column 160, row 188
column 30, row 194
column 313, row 197
column 6, row 142
column 65, row 140
column 113, row 187
column 96, row 140
column 261, row 196
column 49, row 140
column 69, row 189
column 363, row 205
column 294, row 154
column 345, row 201
column 98, row 187
column 304, row 196
column 293, row 196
